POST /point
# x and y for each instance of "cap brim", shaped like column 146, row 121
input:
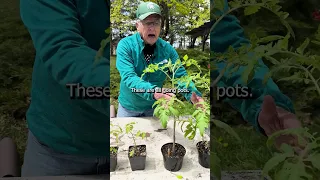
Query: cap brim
column 142, row 17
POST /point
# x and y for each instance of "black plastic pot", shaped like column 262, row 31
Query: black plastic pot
column 203, row 154
column 138, row 162
column 113, row 160
column 173, row 163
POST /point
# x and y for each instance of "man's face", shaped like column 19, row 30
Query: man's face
column 149, row 28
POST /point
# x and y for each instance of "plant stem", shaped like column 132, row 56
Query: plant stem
column 174, row 135
column 174, row 118
column 231, row 10
column 220, row 75
column 134, row 141
column 312, row 78
column 261, row 5
column 301, row 67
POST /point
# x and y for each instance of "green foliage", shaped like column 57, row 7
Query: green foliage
column 116, row 131
column 164, row 109
column 293, row 164
column 305, row 65
column 215, row 165
column 139, row 134
column 103, row 44
column 113, row 150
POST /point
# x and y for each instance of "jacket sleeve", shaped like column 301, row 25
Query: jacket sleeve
column 229, row 33
column 56, row 34
column 127, row 72
column 180, row 73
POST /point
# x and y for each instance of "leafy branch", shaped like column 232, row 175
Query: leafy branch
column 290, row 164
column 133, row 136
column 117, row 132
column 243, row 57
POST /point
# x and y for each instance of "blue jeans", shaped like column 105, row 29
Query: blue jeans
column 123, row 112
column 40, row 160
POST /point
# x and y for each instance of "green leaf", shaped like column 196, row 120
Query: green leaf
column 249, row 10
column 283, row 43
column 227, row 128
column 248, row 72
column 164, row 119
column 286, row 148
column 202, row 124
column 179, row 176
column 274, row 161
column 284, row 172
column 271, row 139
column 185, row 57
column 234, row 4
column 219, row 4
column 294, row 171
column 187, row 132
column 270, row 38
column 108, row 31
column 272, row 60
column 303, row 46
column 174, row 111
column 315, row 42
column 315, row 160
column 215, row 166
column 131, row 152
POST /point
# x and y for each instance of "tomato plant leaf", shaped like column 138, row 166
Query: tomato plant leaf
column 227, row 128
column 268, row 39
column 315, row 160
column 179, row 176
column 274, row 161
column 215, row 166
column 303, row 46
column 251, row 10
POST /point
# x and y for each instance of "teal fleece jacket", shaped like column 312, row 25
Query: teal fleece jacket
column 130, row 63
column 66, row 35
column 229, row 33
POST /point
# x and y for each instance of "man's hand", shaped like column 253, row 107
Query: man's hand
column 196, row 99
column 272, row 119
column 159, row 95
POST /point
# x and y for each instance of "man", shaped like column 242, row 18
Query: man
column 67, row 136
column 134, row 54
column 271, row 110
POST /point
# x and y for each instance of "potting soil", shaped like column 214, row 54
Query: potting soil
column 203, row 147
column 139, row 151
column 179, row 151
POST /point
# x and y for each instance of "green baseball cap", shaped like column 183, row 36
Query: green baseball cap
column 145, row 9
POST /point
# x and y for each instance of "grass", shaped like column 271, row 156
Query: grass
column 251, row 154
column 16, row 61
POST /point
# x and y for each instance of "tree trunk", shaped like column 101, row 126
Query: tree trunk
column 204, row 39
column 165, row 19
column 193, row 41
